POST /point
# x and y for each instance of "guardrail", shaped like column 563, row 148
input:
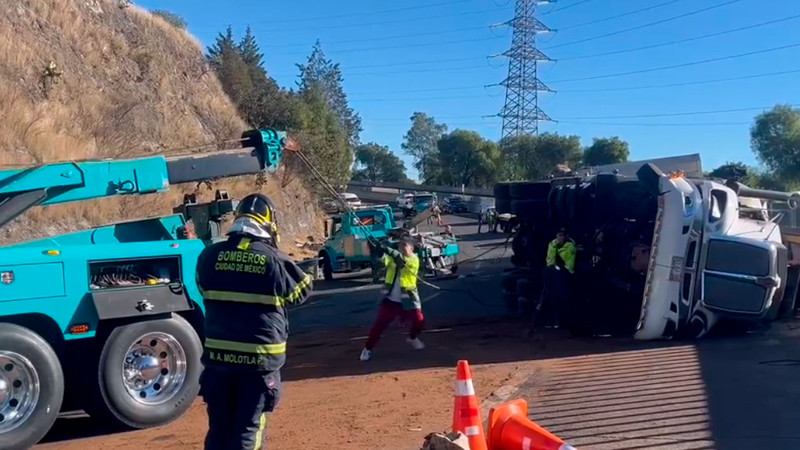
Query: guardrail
column 424, row 187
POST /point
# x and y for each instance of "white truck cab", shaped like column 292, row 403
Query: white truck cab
column 710, row 259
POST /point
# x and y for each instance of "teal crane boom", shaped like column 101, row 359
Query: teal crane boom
column 62, row 182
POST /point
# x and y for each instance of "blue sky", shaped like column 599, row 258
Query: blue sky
column 431, row 56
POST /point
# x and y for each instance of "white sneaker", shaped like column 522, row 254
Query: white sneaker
column 416, row 343
column 366, row 355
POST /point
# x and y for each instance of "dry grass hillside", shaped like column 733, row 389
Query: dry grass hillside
column 130, row 85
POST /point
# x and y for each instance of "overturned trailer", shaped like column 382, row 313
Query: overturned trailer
column 660, row 254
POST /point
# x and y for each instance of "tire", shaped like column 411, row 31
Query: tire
column 149, row 341
column 535, row 190
column 28, row 361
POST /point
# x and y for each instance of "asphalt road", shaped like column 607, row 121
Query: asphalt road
column 349, row 300
column 726, row 393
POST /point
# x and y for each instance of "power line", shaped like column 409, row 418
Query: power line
column 572, row 5
column 689, row 113
column 632, row 116
column 383, row 38
column 387, row 22
column 659, row 124
column 364, row 13
column 687, row 83
column 630, row 50
column 617, row 16
column 594, row 55
column 680, row 41
column 426, row 44
column 646, row 25
column 438, row 69
column 627, row 88
column 674, row 66
column 626, row 124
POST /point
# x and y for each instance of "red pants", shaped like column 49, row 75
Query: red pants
column 386, row 314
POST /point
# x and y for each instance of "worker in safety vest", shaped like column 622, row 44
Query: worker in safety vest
column 246, row 283
column 401, row 298
column 560, row 266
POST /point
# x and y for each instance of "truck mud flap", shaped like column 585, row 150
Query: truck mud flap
column 140, row 301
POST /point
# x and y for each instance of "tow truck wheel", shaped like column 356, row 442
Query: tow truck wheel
column 149, row 373
column 31, row 387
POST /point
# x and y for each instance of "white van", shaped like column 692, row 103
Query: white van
column 351, row 199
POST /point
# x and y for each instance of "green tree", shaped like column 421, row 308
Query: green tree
column 420, row 142
column 259, row 99
column 234, row 75
column 606, row 151
column 466, row 158
column 775, row 139
column 531, row 157
column 249, row 50
column 738, row 171
column 322, row 73
column 322, row 138
column 223, row 43
column 173, row 19
column 376, row 163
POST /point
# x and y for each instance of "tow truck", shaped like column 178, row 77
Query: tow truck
column 660, row 255
column 347, row 236
column 110, row 320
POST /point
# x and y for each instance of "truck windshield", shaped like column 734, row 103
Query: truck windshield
column 424, row 198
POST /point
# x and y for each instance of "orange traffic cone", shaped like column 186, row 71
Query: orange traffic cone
column 510, row 429
column 467, row 411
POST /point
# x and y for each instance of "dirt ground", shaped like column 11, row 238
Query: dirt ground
column 333, row 400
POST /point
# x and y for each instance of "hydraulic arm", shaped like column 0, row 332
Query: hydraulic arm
column 62, row 182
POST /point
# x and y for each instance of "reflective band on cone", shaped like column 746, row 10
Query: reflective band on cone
column 464, row 388
column 466, row 409
column 510, row 429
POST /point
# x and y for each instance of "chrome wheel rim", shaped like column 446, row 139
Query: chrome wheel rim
column 154, row 368
column 19, row 390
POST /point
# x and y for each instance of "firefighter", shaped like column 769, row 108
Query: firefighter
column 246, row 283
column 559, row 270
column 401, row 298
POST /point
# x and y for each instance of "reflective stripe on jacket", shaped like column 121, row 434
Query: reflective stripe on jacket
column 562, row 255
column 408, row 273
column 246, row 284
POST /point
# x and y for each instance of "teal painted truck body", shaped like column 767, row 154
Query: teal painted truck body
column 345, row 231
column 70, row 305
column 56, row 285
column 346, row 248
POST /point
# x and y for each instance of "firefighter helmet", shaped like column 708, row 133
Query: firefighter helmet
column 259, row 210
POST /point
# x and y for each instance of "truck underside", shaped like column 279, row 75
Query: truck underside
column 611, row 220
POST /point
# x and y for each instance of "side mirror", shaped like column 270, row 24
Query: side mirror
column 326, row 225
